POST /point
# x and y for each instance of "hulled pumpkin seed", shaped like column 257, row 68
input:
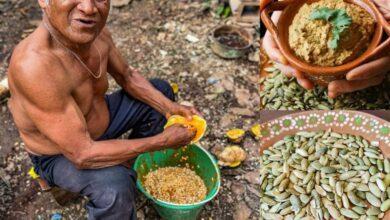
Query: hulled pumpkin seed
column 349, row 213
column 324, row 175
column 373, row 200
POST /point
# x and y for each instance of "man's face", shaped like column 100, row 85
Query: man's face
column 80, row 21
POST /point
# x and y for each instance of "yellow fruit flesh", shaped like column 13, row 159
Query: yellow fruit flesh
column 197, row 122
column 255, row 130
column 235, row 135
column 232, row 156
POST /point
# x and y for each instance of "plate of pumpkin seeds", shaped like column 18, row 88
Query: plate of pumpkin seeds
column 325, row 165
column 278, row 92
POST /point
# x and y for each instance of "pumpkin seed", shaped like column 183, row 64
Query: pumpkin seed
column 286, row 211
column 328, row 169
column 349, row 213
column 362, row 187
column 373, row 211
column 373, row 200
column 320, row 190
column 272, row 216
column 359, row 210
column 345, row 201
column 324, row 175
column 385, row 205
column 295, row 203
column 381, row 184
column 387, row 166
column 304, row 199
column 334, row 212
column 279, row 179
column 348, row 175
column 374, row 189
column 280, row 92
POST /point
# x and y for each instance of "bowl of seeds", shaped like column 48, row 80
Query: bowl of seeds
column 325, row 165
column 179, row 182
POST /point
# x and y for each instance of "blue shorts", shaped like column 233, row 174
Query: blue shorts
column 111, row 190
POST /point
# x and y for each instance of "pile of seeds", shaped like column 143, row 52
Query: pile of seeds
column 282, row 93
column 176, row 185
column 324, row 175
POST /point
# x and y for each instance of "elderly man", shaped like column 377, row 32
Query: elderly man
column 58, row 81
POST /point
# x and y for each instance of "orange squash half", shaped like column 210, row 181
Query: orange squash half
column 197, row 122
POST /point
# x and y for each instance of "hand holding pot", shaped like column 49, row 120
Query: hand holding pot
column 271, row 48
column 363, row 76
column 368, row 74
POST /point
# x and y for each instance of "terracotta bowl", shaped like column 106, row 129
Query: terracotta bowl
column 357, row 123
column 319, row 74
column 226, row 51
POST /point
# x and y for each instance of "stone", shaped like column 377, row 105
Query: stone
column 242, row 211
column 241, row 111
column 186, row 103
column 243, row 97
column 226, row 120
column 192, row 38
column 252, row 177
column 238, row 188
column 228, row 84
column 254, row 56
column 119, row 3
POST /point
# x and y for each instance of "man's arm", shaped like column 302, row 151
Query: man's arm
column 133, row 82
column 138, row 87
column 57, row 116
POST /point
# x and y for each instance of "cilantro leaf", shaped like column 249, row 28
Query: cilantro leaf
column 339, row 19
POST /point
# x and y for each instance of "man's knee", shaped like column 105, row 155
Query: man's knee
column 164, row 87
column 114, row 190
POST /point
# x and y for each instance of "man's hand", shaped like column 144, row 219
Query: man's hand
column 272, row 49
column 183, row 110
column 368, row 74
column 364, row 76
column 177, row 136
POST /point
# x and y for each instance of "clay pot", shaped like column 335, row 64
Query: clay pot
column 319, row 74
column 226, row 51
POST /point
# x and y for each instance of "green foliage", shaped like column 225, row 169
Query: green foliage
column 223, row 10
column 219, row 10
column 339, row 19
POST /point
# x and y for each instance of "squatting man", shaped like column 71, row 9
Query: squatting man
column 58, row 81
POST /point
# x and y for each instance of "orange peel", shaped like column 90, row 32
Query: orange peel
column 197, row 123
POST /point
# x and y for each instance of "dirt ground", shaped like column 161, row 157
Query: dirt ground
column 158, row 38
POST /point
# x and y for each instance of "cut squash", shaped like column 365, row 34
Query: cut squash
column 231, row 156
column 32, row 173
column 235, row 135
column 175, row 88
column 197, row 122
column 255, row 131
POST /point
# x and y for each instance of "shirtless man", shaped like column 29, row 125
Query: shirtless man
column 58, row 81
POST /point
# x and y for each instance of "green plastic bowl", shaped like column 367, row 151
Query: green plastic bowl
column 199, row 160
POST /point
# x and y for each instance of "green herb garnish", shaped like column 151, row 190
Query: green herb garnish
column 339, row 19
